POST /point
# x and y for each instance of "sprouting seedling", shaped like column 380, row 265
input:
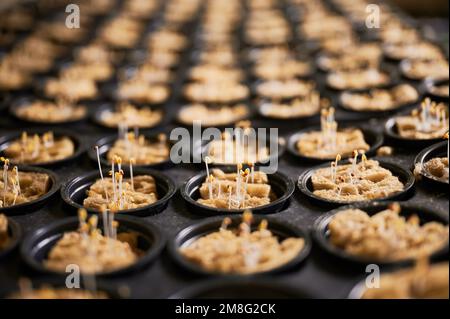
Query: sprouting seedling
column 16, row 173
column 141, row 140
column 340, row 180
column 364, row 159
column 238, row 168
column 225, row 223
column 115, row 226
column 225, row 135
column 323, row 117
column 331, row 112
column 443, row 117
column 116, row 160
column 24, row 138
column 16, row 184
column 15, row 191
column 333, row 134
column 440, row 115
column 245, row 125
column 425, row 117
column 162, row 138
column 219, row 188
column 246, row 173
column 119, row 162
column 130, row 139
column 36, row 146
column 207, row 162
column 101, row 172
column 131, row 173
column 113, row 210
column 5, row 177
column 352, row 177
column 210, row 186
column 112, row 173
column 229, row 189
column 395, row 207
column 263, row 225
column 119, row 183
column 355, row 155
column 82, row 216
column 48, row 139
column 334, row 166
column 414, row 220
column 328, row 128
column 433, row 113
column 252, row 172
column 29, row 149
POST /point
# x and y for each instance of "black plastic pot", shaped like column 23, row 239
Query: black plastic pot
column 73, row 192
column 403, row 67
column 321, row 232
column 40, row 84
column 220, row 126
column 281, row 185
column 110, row 90
column 37, row 245
column 376, row 114
column 390, row 82
column 435, row 150
column 105, row 144
column 97, row 116
column 6, row 140
column 201, row 148
column 405, row 176
column 41, row 201
column 390, row 130
column 372, row 138
column 414, row 25
column 195, row 231
column 279, row 121
column 360, row 288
